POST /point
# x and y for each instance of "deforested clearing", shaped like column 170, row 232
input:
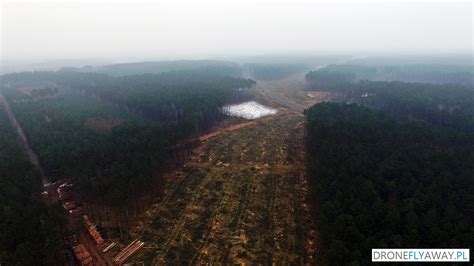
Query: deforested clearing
column 102, row 124
column 248, row 110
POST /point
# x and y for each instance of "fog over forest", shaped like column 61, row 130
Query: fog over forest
column 236, row 132
column 104, row 32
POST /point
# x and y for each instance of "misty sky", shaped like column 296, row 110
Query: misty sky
column 198, row 28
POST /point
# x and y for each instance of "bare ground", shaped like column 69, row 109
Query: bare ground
column 241, row 198
column 102, row 124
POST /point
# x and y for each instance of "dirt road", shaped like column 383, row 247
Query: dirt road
column 288, row 93
column 23, row 140
column 279, row 100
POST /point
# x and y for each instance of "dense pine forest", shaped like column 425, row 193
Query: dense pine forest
column 382, row 181
column 214, row 67
column 399, row 174
column 236, row 132
column 115, row 137
column 448, row 105
column 423, row 73
column 390, row 161
column 31, row 233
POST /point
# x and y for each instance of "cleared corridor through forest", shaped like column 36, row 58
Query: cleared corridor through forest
column 241, row 198
column 23, row 140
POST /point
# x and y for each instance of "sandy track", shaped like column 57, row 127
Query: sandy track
column 23, row 140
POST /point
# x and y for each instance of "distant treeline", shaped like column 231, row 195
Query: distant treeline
column 380, row 181
column 424, row 73
column 448, row 105
column 214, row 67
column 203, row 68
column 165, row 97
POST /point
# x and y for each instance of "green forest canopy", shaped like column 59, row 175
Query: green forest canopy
column 423, row 73
column 151, row 114
column 381, row 181
column 31, row 233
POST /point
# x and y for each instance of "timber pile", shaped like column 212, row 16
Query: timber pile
column 82, row 254
column 128, row 251
column 93, row 231
column 109, row 247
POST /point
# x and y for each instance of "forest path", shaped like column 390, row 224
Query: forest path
column 241, row 198
column 23, row 140
column 288, row 93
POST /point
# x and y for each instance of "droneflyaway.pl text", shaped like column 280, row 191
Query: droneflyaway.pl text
column 419, row 255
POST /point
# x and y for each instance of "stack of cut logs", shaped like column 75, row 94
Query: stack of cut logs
column 82, row 255
column 93, row 231
column 128, row 251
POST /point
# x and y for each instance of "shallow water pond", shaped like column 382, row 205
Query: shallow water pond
column 248, row 110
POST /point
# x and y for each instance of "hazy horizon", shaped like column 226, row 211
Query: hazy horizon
column 240, row 132
column 165, row 30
